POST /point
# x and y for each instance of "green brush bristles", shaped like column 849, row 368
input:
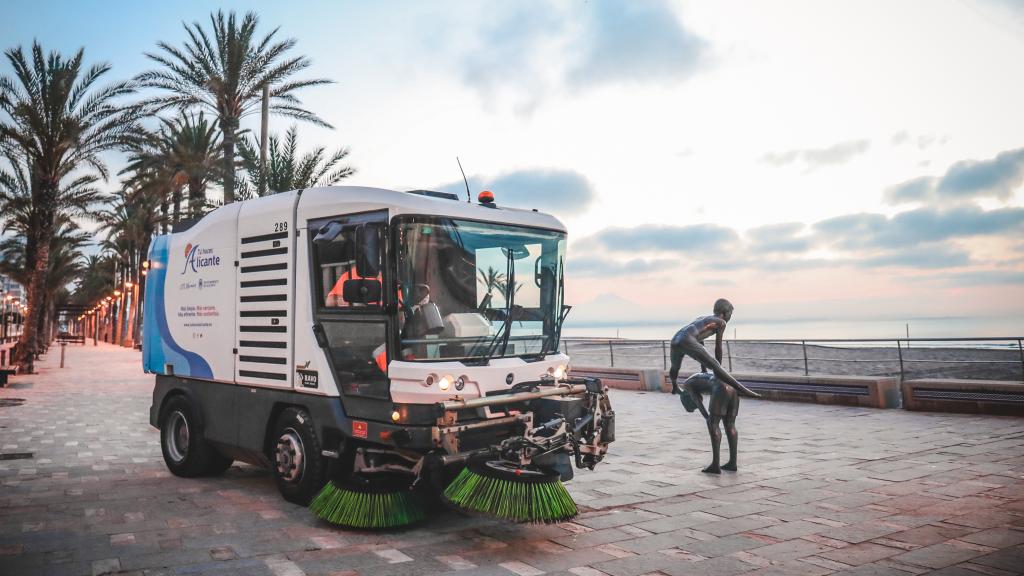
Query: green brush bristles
column 356, row 509
column 528, row 502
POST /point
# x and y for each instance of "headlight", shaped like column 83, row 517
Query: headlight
column 460, row 383
column 445, row 382
column 558, row 373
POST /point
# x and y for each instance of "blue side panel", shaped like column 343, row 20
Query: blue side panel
column 158, row 347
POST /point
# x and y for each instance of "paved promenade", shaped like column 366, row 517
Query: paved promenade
column 820, row 490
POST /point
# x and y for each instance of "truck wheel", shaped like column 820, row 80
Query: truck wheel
column 299, row 467
column 186, row 452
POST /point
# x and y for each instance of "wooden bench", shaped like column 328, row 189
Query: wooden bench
column 968, row 396
column 869, row 392
column 5, row 372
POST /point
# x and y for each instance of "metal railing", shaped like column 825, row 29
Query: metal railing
column 1001, row 352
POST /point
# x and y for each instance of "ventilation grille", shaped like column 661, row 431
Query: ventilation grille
column 973, row 395
column 263, row 309
column 809, row 388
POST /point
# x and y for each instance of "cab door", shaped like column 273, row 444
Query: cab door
column 351, row 323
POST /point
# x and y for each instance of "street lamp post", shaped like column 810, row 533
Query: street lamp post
column 3, row 305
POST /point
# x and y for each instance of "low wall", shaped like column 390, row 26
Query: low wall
column 968, row 396
column 621, row 378
column 881, row 392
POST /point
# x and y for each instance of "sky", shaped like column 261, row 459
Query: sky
column 807, row 160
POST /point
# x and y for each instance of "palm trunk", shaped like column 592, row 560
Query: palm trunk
column 228, row 127
column 27, row 346
column 163, row 214
column 177, row 204
column 196, row 197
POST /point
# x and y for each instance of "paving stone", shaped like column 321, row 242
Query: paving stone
column 821, row 488
column 721, row 546
column 996, row 537
column 790, row 530
column 724, row 566
column 937, row 555
column 789, row 550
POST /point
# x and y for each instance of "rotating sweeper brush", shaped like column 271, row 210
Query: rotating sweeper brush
column 385, row 501
column 520, row 479
column 527, row 494
column 377, row 489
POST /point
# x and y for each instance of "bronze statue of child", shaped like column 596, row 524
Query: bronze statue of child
column 724, row 404
column 689, row 341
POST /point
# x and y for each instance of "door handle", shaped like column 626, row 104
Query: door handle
column 320, row 335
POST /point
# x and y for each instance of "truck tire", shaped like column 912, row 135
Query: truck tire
column 298, row 466
column 186, row 452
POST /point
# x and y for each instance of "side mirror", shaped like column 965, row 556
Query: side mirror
column 368, row 251
column 361, row 291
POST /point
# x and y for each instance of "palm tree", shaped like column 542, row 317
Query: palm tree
column 129, row 222
column 96, row 279
column 491, row 279
column 224, row 71
column 183, row 152
column 57, row 121
column 285, row 170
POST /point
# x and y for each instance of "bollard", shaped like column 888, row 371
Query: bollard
column 652, row 379
column 803, row 344
column 899, row 350
column 63, row 345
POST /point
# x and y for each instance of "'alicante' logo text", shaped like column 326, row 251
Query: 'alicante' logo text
column 196, row 258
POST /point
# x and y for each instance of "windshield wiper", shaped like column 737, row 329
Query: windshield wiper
column 502, row 335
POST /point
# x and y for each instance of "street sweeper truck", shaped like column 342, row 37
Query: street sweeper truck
column 379, row 351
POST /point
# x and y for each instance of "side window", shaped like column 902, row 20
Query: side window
column 357, row 350
column 336, row 261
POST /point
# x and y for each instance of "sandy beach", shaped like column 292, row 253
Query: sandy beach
column 785, row 358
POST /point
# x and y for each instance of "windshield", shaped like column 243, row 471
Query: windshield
column 475, row 290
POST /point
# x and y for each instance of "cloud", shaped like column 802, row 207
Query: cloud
column 635, row 41
column 911, row 190
column 920, row 239
column 696, row 240
column 858, row 231
column 561, row 192
column 528, row 51
column 996, row 178
column 511, row 47
column 839, row 153
column 779, row 238
column 984, row 278
column 922, row 256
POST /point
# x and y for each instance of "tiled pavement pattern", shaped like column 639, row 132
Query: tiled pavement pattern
column 821, row 490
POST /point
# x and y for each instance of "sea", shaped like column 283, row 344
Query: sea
column 746, row 329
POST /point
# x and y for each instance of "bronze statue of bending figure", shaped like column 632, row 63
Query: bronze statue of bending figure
column 723, row 388
column 724, row 404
